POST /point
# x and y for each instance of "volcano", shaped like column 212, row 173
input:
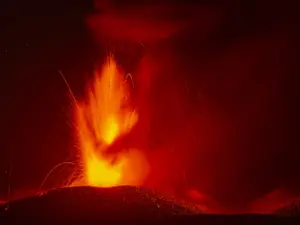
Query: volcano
column 121, row 203
column 118, row 204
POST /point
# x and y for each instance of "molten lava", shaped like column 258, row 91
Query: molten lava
column 105, row 115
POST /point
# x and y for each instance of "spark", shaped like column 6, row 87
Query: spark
column 51, row 171
column 128, row 75
column 69, row 87
column 71, row 94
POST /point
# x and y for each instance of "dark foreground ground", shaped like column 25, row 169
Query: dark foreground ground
column 88, row 205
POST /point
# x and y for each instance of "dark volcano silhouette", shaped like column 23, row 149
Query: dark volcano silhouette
column 122, row 204
column 85, row 203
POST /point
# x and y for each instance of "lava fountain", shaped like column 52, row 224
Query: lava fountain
column 104, row 115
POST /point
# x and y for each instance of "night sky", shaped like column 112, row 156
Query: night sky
column 245, row 65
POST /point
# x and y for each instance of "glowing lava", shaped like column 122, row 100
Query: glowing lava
column 106, row 115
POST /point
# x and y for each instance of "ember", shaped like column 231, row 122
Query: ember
column 106, row 115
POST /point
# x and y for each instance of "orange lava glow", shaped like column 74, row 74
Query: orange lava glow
column 105, row 115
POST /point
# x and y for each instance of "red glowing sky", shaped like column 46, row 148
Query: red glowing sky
column 229, row 84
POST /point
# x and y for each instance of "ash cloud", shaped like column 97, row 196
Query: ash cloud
column 218, row 91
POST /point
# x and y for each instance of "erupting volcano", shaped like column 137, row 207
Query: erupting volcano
column 105, row 115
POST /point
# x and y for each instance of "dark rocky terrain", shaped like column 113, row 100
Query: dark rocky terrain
column 292, row 209
column 121, row 203
column 90, row 205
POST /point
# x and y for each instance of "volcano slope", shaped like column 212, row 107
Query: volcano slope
column 88, row 204
column 292, row 209
column 124, row 204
